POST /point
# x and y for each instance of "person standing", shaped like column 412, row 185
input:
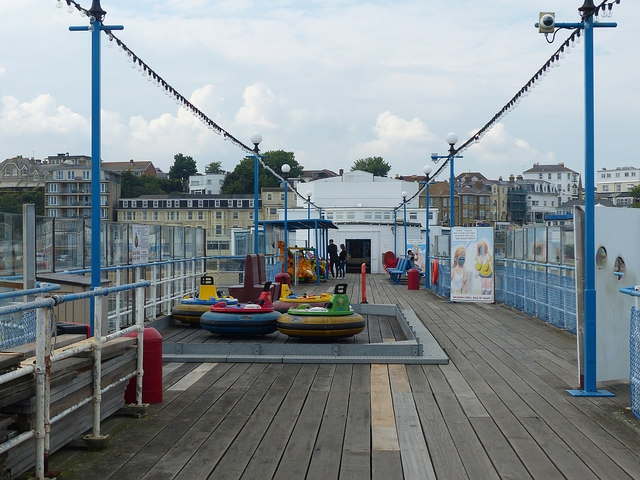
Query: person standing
column 332, row 250
column 342, row 261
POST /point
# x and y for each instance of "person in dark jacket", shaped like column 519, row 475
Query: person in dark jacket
column 332, row 250
column 342, row 261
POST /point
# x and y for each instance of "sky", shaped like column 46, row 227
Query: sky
column 331, row 80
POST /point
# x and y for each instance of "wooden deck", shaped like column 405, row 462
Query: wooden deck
column 499, row 409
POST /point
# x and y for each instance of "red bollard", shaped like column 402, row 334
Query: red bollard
column 413, row 279
column 363, row 271
column 152, row 367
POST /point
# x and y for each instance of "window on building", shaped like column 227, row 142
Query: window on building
column 618, row 187
column 251, row 204
column 413, row 216
column 200, row 215
column 218, row 229
column 282, row 197
column 218, row 215
column 269, row 198
column 217, row 203
column 144, row 215
column 378, row 215
column 156, row 216
column 104, row 188
column 235, row 215
column 59, row 175
column 189, row 215
column 368, row 215
column 560, row 176
column 605, row 188
column 200, row 203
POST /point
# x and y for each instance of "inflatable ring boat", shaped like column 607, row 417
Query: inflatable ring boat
column 191, row 308
column 335, row 319
column 243, row 318
column 289, row 299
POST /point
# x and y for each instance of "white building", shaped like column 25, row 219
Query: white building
column 618, row 180
column 565, row 181
column 209, row 183
column 367, row 231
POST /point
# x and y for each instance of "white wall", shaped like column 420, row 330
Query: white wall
column 618, row 230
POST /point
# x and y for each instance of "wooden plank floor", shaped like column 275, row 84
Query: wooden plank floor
column 498, row 410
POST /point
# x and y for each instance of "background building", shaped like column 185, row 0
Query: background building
column 19, row 173
column 207, row 184
column 68, row 188
column 566, row 182
column 618, row 180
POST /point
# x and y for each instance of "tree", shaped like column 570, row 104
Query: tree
column 181, row 169
column 375, row 165
column 240, row 181
column 132, row 186
column 635, row 193
column 213, row 167
column 11, row 202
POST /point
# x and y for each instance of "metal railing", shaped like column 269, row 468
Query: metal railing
column 543, row 290
column 634, row 349
column 45, row 356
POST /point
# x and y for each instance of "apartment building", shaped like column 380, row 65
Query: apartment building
column 618, row 180
column 22, row 174
column 67, row 188
column 566, row 182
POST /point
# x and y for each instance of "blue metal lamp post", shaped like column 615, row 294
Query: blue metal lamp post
column 587, row 11
column 309, row 217
column 95, row 27
column 395, row 231
column 285, row 169
column 256, row 138
column 404, row 219
column 427, row 265
column 451, row 139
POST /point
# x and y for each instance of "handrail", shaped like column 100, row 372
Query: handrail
column 58, row 299
column 528, row 262
column 48, row 287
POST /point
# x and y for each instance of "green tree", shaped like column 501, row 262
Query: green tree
column 132, row 186
column 182, row 168
column 375, row 165
column 11, row 202
column 240, row 181
column 635, row 193
column 213, row 167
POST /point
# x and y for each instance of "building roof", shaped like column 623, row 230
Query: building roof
column 538, row 168
column 580, row 202
column 130, row 165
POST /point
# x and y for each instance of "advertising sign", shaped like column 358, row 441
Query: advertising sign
column 140, row 244
column 472, row 264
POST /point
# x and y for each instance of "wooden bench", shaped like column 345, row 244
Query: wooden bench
column 255, row 276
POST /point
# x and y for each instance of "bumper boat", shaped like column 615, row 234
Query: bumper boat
column 242, row 318
column 335, row 319
column 191, row 308
column 289, row 299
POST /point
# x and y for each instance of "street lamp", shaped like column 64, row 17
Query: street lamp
column 427, row 172
column 451, row 139
column 309, row 217
column 285, row 169
column 587, row 24
column 404, row 219
column 256, row 138
column 96, row 26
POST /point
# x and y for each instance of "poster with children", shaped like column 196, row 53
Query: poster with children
column 472, row 264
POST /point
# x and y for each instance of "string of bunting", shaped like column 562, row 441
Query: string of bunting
column 602, row 10
column 181, row 101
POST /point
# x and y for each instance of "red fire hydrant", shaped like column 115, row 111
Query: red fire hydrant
column 152, row 367
column 413, row 279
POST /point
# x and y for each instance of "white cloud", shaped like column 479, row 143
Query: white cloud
column 2, row 71
column 392, row 133
column 500, row 153
column 261, row 106
column 39, row 116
